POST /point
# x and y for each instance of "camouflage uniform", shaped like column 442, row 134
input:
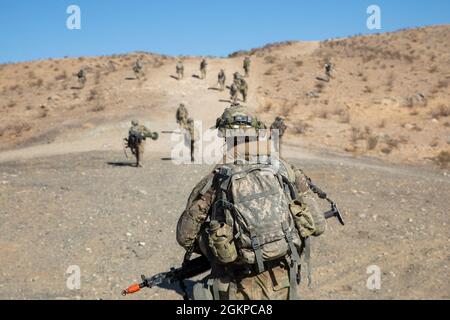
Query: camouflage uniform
column 243, row 89
column 180, row 70
column 138, row 148
column 137, row 68
column 192, row 136
column 328, row 69
column 81, row 78
column 247, row 66
column 237, row 78
column 234, row 281
column 182, row 115
column 203, row 66
column 279, row 125
column 234, row 90
column 221, row 79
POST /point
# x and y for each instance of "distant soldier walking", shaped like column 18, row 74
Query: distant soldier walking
column 243, row 89
column 279, row 125
column 192, row 136
column 182, row 115
column 237, row 78
column 81, row 75
column 203, row 66
column 328, row 70
column 234, row 90
column 221, row 79
column 136, row 140
column 137, row 69
column 180, row 70
column 247, row 66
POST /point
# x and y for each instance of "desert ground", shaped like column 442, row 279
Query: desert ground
column 375, row 136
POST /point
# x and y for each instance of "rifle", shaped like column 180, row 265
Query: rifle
column 125, row 147
column 190, row 269
column 334, row 211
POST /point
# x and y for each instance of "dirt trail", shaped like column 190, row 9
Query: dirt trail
column 77, row 201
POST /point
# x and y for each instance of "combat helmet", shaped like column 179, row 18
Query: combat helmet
column 238, row 117
column 134, row 122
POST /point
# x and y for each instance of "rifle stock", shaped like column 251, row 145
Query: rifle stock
column 189, row 270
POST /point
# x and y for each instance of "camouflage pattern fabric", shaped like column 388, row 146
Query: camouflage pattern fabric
column 81, row 77
column 192, row 136
column 138, row 149
column 203, row 66
column 180, row 70
column 279, row 125
column 243, row 89
column 221, row 78
column 247, row 66
column 234, row 90
column 272, row 284
column 182, row 115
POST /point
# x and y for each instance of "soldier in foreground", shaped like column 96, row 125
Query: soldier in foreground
column 182, row 115
column 180, row 70
column 251, row 258
column 221, row 78
column 136, row 140
column 81, row 75
column 137, row 69
column 247, row 66
column 203, row 66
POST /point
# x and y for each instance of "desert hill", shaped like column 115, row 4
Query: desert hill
column 388, row 97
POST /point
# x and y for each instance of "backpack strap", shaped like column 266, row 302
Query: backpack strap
column 256, row 246
column 293, row 264
column 307, row 245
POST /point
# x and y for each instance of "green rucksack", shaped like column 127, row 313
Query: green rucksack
column 252, row 221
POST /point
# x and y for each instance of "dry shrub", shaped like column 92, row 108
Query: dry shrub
column 319, row 87
column 43, row 112
column 298, row 63
column 390, row 82
column 98, row 108
column 442, row 84
column 92, row 95
column 286, row 108
column 15, row 130
column 300, row 127
column 62, row 76
column 441, row 111
column 442, row 159
column 158, row 63
column 433, row 69
column 372, row 141
column 97, row 77
column 31, row 75
column 267, row 106
column 270, row 59
column 38, row 83
column 269, row 72
column 368, row 89
column 12, row 104
column 322, row 114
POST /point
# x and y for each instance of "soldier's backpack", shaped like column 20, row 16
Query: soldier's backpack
column 251, row 220
column 135, row 138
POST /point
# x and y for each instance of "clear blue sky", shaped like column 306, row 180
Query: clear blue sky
column 32, row 30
